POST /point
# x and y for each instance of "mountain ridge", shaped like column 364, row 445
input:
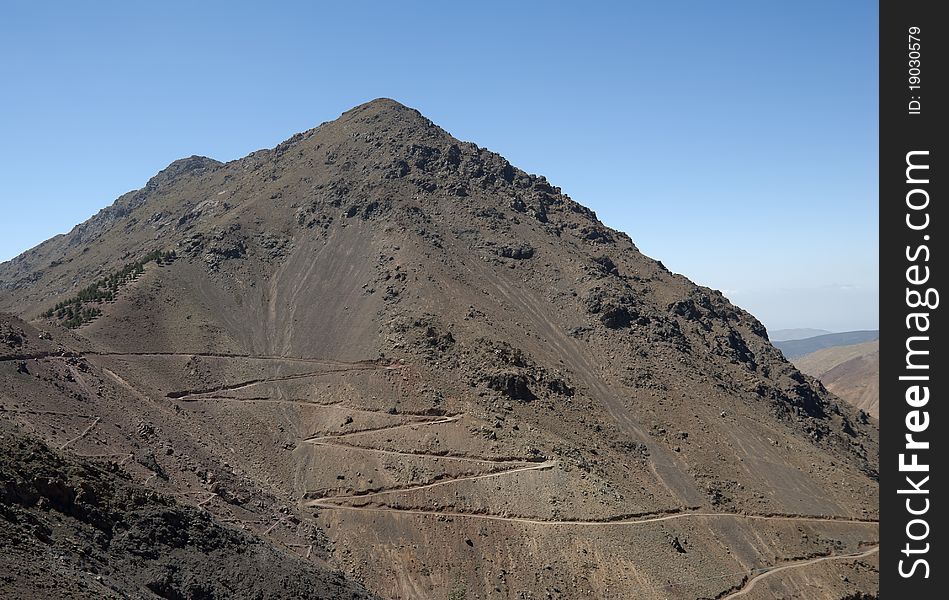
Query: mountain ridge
column 394, row 328
column 793, row 349
column 799, row 333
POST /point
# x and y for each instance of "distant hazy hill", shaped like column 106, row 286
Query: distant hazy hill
column 784, row 335
column 850, row 372
column 795, row 348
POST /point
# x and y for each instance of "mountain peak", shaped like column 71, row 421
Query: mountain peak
column 384, row 113
column 381, row 106
column 374, row 326
column 183, row 166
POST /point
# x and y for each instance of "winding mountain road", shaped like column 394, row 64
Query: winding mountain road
column 795, row 565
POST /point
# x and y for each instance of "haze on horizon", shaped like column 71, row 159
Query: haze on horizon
column 728, row 146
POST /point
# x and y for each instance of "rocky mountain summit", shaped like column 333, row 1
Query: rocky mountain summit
column 397, row 356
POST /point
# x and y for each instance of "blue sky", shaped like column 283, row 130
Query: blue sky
column 735, row 141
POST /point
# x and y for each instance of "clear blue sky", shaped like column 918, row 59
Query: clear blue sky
column 736, row 141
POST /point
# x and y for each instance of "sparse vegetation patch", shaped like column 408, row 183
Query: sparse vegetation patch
column 85, row 305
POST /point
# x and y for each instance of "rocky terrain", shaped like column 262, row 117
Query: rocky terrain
column 851, row 372
column 73, row 529
column 378, row 350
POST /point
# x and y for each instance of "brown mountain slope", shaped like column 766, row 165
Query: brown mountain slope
column 84, row 520
column 850, row 372
column 133, row 541
column 380, row 337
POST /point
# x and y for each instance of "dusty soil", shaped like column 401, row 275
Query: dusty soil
column 850, row 372
column 394, row 353
column 71, row 529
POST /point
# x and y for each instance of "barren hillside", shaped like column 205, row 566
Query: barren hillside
column 850, row 372
column 395, row 354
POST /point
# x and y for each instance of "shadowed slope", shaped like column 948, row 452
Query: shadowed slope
column 850, row 372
